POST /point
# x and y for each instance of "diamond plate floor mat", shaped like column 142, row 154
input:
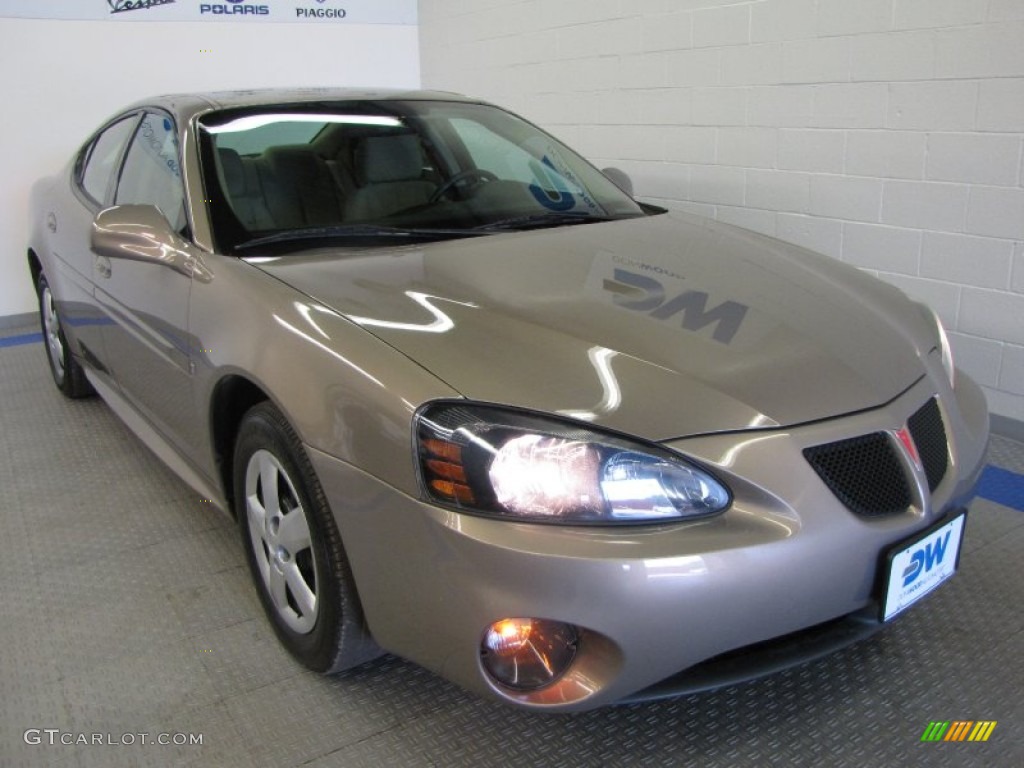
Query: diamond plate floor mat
column 128, row 617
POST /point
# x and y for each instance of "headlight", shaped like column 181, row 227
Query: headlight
column 515, row 464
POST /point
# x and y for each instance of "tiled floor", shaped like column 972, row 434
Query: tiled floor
column 127, row 609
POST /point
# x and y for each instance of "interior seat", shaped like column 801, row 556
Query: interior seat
column 240, row 182
column 299, row 188
column 390, row 171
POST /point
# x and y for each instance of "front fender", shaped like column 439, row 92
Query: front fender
column 345, row 392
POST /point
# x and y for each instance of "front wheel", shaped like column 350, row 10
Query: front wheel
column 294, row 548
column 67, row 372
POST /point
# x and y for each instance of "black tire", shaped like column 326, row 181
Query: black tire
column 66, row 370
column 333, row 635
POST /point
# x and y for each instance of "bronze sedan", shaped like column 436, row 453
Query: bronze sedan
column 473, row 404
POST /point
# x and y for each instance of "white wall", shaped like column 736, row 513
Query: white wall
column 886, row 133
column 60, row 79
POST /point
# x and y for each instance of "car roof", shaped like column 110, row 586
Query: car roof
column 186, row 105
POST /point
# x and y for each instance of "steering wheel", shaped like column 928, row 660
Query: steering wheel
column 461, row 178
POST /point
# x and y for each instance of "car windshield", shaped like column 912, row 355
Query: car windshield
column 289, row 177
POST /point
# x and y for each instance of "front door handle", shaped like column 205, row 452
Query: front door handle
column 103, row 266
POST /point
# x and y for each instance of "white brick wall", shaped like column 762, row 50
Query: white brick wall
column 812, row 150
column 886, row 154
column 882, row 248
column 887, row 133
column 975, row 261
column 974, row 157
column 925, row 205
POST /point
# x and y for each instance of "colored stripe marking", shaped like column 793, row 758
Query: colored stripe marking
column 982, row 730
column 27, row 338
column 1003, row 487
column 935, row 731
column 959, row 730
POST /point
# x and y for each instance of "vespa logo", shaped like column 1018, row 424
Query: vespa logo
column 645, row 294
column 924, row 559
column 121, row 6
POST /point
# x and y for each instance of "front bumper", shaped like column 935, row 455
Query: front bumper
column 651, row 600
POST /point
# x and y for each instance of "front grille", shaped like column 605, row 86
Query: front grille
column 864, row 473
column 930, row 438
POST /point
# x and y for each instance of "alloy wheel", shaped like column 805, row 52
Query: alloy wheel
column 280, row 540
column 51, row 324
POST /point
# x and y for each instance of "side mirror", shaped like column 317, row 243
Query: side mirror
column 140, row 233
column 620, row 179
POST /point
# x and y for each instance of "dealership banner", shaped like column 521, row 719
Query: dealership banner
column 312, row 11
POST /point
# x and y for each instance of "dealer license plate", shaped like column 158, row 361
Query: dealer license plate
column 917, row 566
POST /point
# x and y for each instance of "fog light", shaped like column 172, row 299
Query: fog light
column 527, row 654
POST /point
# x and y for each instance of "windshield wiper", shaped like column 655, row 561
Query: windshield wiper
column 355, row 231
column 538, row 220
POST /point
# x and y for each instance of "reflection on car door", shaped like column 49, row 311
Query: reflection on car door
column 147, row 343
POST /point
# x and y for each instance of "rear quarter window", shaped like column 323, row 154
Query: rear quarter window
column 102, row 159
column 152, row 170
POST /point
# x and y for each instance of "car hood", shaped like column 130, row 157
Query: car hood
column 662, row 327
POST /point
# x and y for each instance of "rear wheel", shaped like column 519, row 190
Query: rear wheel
column 294, row 548
column 67, row 373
